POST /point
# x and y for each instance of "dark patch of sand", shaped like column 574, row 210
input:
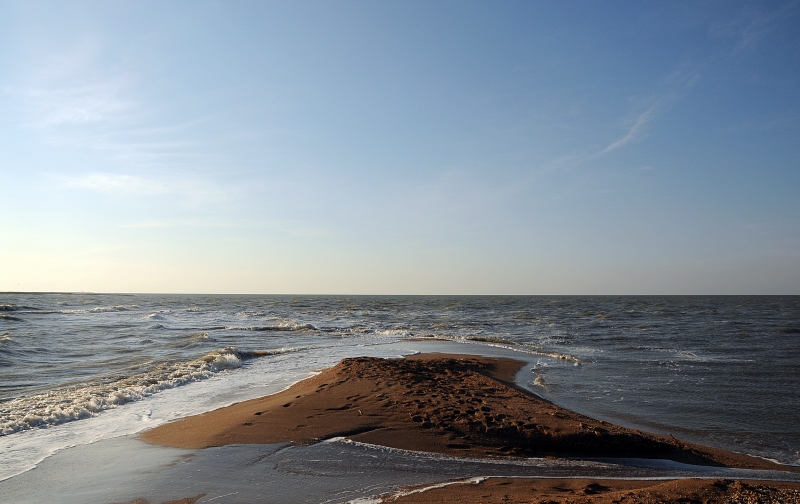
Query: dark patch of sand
column 188, row 500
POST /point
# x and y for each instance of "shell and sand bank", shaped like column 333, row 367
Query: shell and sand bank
column 469, row 407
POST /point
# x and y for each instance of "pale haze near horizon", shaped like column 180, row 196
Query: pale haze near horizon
column 400, row 147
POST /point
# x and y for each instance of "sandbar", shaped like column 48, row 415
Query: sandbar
column 465, row 406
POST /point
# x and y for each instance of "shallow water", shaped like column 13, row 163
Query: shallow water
column 80, row 368
column 124, row 469
column 334, row 471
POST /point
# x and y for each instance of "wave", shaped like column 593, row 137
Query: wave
column 159, row 314
column 193, row 339
column 251, row 313
column 492, row 339
column 3, row 316
column 203, row 336
column 6, row 336
column 499, row 342
column 394, row 332
column 527, row 348
column 101, row 309
column 556, row 355
column 12, row 307
column 280, row 327
column 75, row 403
column 679, row 354
column 347, row 330
column 361, row 330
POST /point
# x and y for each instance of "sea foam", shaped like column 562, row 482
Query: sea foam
column 75, row 403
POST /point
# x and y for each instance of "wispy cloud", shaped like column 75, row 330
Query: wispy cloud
column 191, row 191
column 90, row 103
column 76, row 98
column 71, row 86
column 753, row 24
column 634, row 131
column 747, row 30
column 109, row 183
column 186, row 223
column 292, row 227
column 645, row 110
column 672, row 87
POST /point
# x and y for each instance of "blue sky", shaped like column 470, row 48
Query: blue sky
column 400, row 147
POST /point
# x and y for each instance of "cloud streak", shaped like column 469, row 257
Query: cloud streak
column 91, row 103
column 73, row 98
column 753, row 25
column 109, row 183
column 634, row 131
column 191, row 191
column 673, row 85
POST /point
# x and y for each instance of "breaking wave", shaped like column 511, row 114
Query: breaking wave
column 279, row 327
column 12, row 307
column 492, row 339
column 101, row 309
column 203, row 336
column 75, row 403
column 556, row 355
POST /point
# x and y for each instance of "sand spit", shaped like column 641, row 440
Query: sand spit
column 451, row 404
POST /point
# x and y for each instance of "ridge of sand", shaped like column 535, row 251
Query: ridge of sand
column 451, row 404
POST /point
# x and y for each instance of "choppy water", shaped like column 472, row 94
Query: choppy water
column 718, row 370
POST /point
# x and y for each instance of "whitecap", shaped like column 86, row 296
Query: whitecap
column 75, row 403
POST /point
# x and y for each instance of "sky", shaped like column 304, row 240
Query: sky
column 401, row 147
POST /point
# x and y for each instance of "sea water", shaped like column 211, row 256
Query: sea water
column 77, row 369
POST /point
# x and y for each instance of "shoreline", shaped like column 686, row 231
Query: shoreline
column 499, row 490
column 469, row 406
column 452, row 404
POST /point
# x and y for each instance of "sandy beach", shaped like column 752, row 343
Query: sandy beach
column 579, row 490
column 465, row 406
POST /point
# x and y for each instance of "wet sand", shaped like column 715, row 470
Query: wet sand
column 579, row 491
column 456, row 405
column 188, row 500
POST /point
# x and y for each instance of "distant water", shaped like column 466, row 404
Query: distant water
column 718, row 370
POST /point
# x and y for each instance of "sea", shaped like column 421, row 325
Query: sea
column 81, row 370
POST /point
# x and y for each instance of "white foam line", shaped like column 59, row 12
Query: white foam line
column 26, row 449
column 522, row 348
column 473, row 481
column 402, row 493
column 221, row 496
column 517, row 461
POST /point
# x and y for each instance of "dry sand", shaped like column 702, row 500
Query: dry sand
column 456, row 405
column 552, row 491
